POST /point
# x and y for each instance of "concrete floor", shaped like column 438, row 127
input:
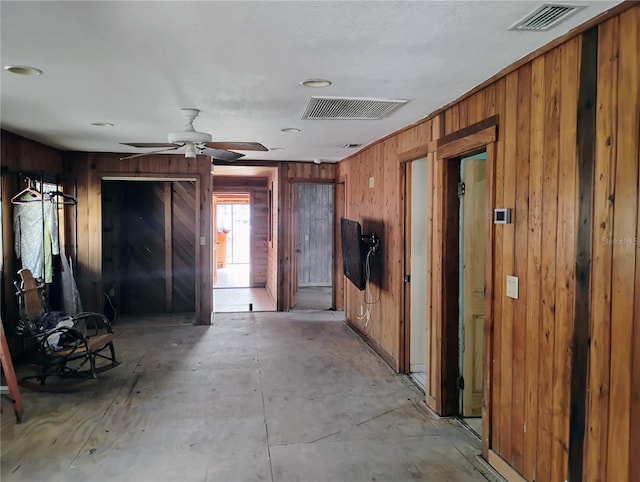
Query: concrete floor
column 264, row 397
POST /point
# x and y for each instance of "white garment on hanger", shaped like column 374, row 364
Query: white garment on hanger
column 27, row 226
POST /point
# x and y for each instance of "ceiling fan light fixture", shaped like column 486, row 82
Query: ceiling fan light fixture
column 23, row 70
column 316, row 83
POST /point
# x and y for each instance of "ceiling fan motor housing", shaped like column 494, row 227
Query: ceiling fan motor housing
column 186, row 137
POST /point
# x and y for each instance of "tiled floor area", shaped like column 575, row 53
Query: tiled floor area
column 255, row 397
column 233, row 276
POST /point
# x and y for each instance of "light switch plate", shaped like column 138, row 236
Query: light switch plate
column 203, row 241
column 371, row 182
column 512, row 287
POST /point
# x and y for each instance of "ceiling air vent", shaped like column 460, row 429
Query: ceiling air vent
column 350, row 108
column 545, row 17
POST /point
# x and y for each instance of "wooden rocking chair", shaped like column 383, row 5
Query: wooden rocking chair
column 68, row 352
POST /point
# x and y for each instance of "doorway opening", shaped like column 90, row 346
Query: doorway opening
column 312, row 246
column 471, row 293
column 233, row 240
column 416, row 258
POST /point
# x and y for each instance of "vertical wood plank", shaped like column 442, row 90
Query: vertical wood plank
column 548, row 266
column 534, row 253
column 585, row 141
column 168, row 247
column 508, row 241
column 488, row 332
column 521, row 212
column 604, row 192
column 625, row 249
column 498, row 279
column 634, row 422
column 565, row 268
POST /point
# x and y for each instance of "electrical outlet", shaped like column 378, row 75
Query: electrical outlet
column 203, row 241
column 361, row 310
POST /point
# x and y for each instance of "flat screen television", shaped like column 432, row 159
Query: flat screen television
column 353, row 252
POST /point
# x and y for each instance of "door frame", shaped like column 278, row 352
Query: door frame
column 405, row 341
column 289, row 266
column 449, row 150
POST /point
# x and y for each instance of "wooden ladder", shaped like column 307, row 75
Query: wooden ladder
column 10, row 376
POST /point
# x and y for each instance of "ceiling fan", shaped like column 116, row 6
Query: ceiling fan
column 195, row 143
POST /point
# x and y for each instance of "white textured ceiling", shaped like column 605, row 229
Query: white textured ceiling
column 136, row 63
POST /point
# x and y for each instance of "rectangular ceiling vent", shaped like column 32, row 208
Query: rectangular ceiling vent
column 545, row 17
column 350, row 108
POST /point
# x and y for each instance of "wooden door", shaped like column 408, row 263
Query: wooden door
column 473, row 258
column 294, row 248
column 315, row 234
column 143, row 248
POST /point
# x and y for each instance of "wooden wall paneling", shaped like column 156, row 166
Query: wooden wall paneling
column 508, row 246
column 272, row 253
column 463, row 113
column 481, row 107
column 630, row 24
column 585, row 143
column 488, row 331
column 499, row 105
column 338, row 291
column 437, row 247
column 566, row 264
column 284, row 254
column 601, row 273
column 533, row 274
column 183, row 245
column 429, row 388
column 204, row 262
column 549, row 254
column 521, row 212
column 168, row 247
column 625, row 247
column 435, row 243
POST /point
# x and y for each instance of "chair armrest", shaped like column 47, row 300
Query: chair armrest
column 94, row 323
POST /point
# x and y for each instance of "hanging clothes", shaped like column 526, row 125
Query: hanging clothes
column 71, row 296
column 32, row 248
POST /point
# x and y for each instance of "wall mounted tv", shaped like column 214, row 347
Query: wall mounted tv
column 355, row 249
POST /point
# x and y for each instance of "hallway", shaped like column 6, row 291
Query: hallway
column 262, row 396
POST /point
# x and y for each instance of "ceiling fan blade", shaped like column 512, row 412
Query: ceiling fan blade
column 237, row 146
column 221, row 154
column 173, row 148
column 154, row 145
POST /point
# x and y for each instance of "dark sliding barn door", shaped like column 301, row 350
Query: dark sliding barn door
column 148, row 233
column 143, row 247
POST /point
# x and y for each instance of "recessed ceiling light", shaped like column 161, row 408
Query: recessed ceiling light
column 316, row 83
column 276, row 149
column 22, row 70
column 102, row 124
column 290, row 129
